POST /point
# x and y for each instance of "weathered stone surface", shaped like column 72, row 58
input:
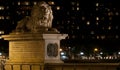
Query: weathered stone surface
column 33, row 39
column 40, row 19
column 26, row 47
column 33, row 49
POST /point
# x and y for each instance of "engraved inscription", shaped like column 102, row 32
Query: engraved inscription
column 26, row 50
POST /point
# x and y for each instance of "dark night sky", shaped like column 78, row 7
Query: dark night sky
column 71, row 22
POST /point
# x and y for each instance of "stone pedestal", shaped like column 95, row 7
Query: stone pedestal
column 29, row 51
column 52, row 47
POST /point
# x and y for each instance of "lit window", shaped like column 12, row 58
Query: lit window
column 108, row 9
column 103, row 28
column 116, row 13
column 77, row 3
column 7, row 17
column 97, row 18
column 92, row 32
column 23, row 12
column 18, row 3
column 109, row 28
column 78, row 8
column 102, row 37
column 98, row 37
column 68, row 21
column 88, row 22
column 27, row 3
column 97, row 4
column 116, row 36
column 97, row 23
column 73, row 3
column 96, row 9
column 110, row 18
column 1, row 8
column 34, row 3
column 73, row 8
column 78, row 27
column 51, row 2
column 58, row 7
column 83, row 18
column 7, row 7
column 1, row 32
column 116, row 27
column 18, row 12
column 1, row 17
column 73, row 36
column 110, row 13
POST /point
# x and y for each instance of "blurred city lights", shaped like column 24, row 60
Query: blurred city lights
column 101, row 53
column 0, row 53
column 95, row 49
column 81, row 53
column 119, row 53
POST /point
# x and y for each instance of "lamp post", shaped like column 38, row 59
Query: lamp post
column 95, row 51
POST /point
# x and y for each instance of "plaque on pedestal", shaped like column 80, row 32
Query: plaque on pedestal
column 52, row 47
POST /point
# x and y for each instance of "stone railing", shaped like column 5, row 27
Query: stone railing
column 65, row 66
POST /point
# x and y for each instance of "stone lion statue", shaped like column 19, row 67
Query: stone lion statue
column 40, row 19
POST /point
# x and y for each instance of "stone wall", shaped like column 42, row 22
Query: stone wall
column 65, row 66
column 82, row 66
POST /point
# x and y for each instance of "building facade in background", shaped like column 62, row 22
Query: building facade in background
column 89, row 24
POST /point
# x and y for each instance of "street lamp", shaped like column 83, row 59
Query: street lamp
column 95, row 49
column 95, row 52
column 81, row 53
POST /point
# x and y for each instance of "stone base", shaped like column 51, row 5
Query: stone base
column 31, row 51
column 24, row 66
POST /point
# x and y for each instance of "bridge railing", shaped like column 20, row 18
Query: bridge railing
column 63, row 66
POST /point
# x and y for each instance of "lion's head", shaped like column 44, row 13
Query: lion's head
column 41, row 17
column 42, row 13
